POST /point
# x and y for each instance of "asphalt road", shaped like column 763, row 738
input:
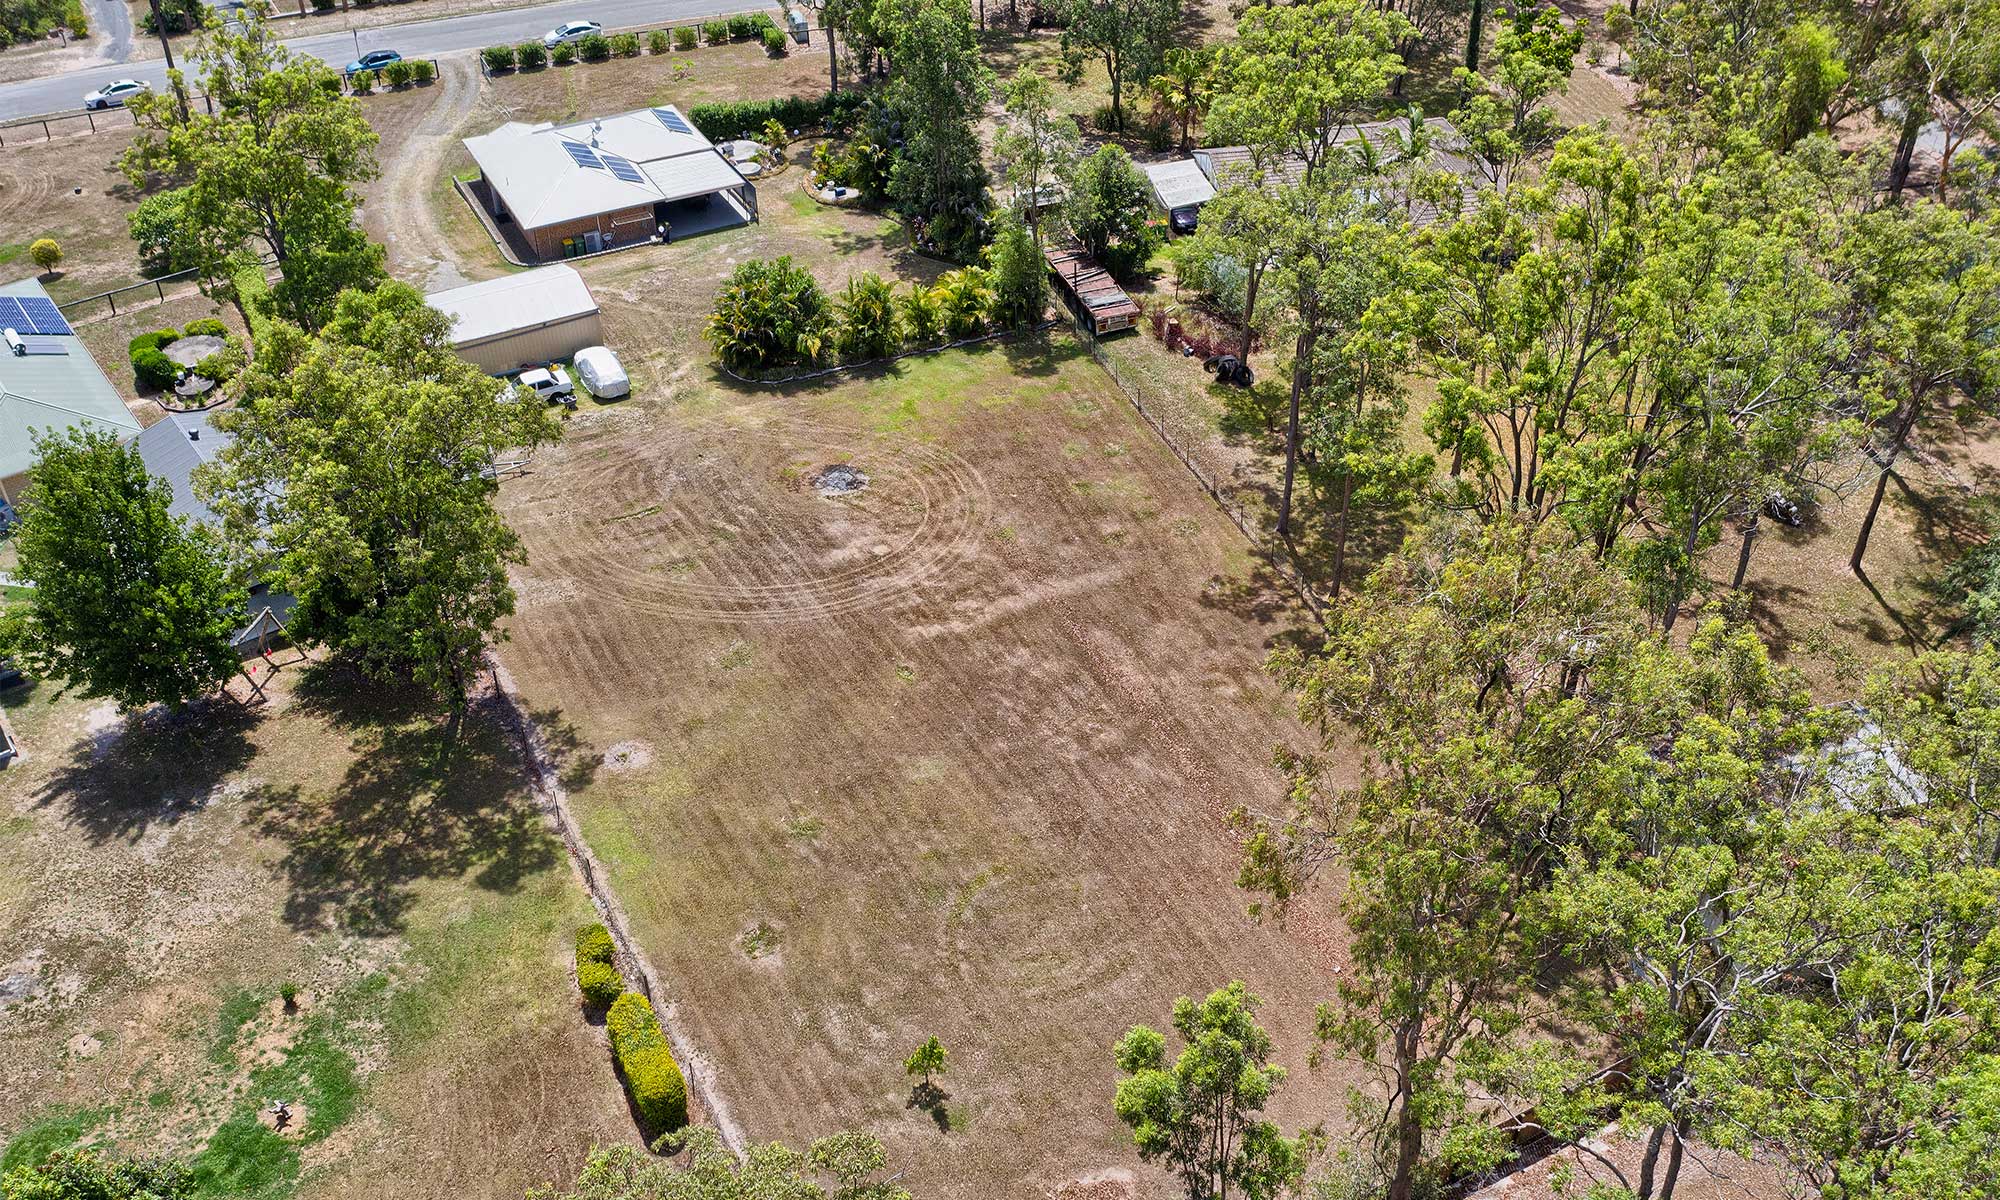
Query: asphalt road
column 418, row 39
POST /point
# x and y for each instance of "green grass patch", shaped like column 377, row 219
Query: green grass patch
column 246, row 1161
column 56, row 1129
column 238, row 1009
column 9, row 251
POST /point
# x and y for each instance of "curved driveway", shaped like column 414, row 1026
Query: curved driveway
column 418, row 39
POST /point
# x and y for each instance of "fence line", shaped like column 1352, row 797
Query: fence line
column 156, row 286
column 88, row 116
column 1283, row 559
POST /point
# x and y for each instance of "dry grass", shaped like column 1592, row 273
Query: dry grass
column 163, row 880
column 951, row 757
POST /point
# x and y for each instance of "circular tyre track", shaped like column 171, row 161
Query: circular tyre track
column 704, row 528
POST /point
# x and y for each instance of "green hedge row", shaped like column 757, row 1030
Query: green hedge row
column 652, row 1077
column 745, row 118
column 150, row 366
column 596, row 978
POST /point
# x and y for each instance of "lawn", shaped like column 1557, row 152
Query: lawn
column 953, row 755
column 162, row 882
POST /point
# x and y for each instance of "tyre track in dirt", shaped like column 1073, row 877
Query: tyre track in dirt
column 401, row 210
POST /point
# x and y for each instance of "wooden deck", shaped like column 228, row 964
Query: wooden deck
column 1093, row 290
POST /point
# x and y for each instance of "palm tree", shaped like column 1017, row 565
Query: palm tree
column 1183, row 86
column 869, row 327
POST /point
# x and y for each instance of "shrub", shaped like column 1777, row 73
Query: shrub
column 421, row 70
column 869, row 327
column 154, row 370
column 595, row 48
column 593, row 944
column 600, row 984
column 653, row 1078
column 684, row 37
column 205, row 327
column 223, row 365
column 498, row 58
column 774, row 43
column 657, row 42
column 715, row 32
column 154, row 340
column 531, row 56
column 742, row 25
column 770, row 314
column 625, row 45
column 398, row 73
column 747, row 118
column 1020, row 278
column 46, row 252
column 361, row 83
column 563, row 55
column 322, row 5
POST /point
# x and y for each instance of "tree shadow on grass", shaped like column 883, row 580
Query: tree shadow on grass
column 402, row 813
column 151, row 768
column 927, row 1096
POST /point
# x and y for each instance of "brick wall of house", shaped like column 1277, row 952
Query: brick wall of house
column 620, row 228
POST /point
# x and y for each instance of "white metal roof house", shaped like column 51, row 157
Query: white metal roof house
column 48, row 383
column 608, row 182
column 515, row 321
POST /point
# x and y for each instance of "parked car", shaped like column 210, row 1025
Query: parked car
column 601, row 372
column 551, row 383
column 570, row 31
column 1185, row 220
column 374, row 60
column 115, row 93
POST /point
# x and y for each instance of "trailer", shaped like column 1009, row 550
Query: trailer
column 1092, row 293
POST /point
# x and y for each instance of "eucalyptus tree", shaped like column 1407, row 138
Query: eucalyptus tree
column 1129, row 37
column 272, row 164
column 939, row 85
column 1299, row 77
column 1035, row 141
column 1504, row 117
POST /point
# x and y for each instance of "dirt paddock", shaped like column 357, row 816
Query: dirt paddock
column 951, row 754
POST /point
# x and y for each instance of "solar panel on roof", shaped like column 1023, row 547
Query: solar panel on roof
column 672, row 120
column 623, row 168
column 11, row 316
column 583, row 156
column 46, row 318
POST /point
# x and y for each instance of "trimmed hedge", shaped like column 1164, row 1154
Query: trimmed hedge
column 205, row 327
column 421, row 70
column 564, row 54
column 154, row 370
column 625, row 45
column 595, row 48
column 498, row 58
column 532, row 56
column 685, row 37
column 398, row 73
column 774, row 42
column 654, row 1079
column 593, row 944
column 745, row 118
column 361, row 83
column 715, row 32
column 658, row 41
column 600, row 983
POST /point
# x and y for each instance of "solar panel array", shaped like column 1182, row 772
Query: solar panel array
column 672, row 120
column 33, row 314
column 583, row 156
column 623, row 168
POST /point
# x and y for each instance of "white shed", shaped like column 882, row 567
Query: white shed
column 516, row 321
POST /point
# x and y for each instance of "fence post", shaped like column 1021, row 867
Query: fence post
column 46, row 135
column 113, row 297
column 161, row 288
column 92, row 118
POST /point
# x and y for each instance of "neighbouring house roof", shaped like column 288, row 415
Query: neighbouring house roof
column 512, row 303
column 1179, row 184
column 1226, row 166
column 172, row 448
column 547, row 174
column 56, row 385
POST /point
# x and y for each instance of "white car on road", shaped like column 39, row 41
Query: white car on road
column 116, row 93
column 570, row 31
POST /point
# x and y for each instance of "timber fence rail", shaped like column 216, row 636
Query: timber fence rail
column 145, row 294
column 27, row 131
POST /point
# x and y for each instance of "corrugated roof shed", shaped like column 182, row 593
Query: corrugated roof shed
column 1179, row 183
column 547, row 174
column 511, row 303
column 59, row 389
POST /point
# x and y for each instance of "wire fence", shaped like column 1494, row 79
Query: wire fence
column 1134, row 391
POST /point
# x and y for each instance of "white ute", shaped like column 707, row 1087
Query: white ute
column 601, row 372
column 551, row 384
